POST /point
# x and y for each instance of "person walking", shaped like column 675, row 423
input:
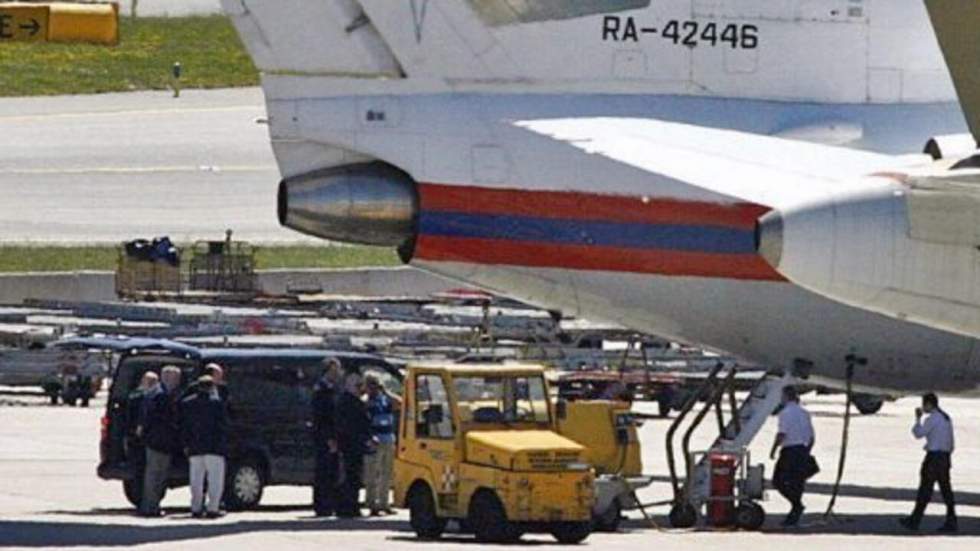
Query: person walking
column 158, row 430
column 326, row 477
column 204, row 427
column 937, row 429
column 794, row 439
column 378, row 465
column 354, row 441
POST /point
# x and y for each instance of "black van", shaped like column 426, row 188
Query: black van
column 270, row 392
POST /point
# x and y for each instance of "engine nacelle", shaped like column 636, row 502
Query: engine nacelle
column 368, row 203
column 950, row 146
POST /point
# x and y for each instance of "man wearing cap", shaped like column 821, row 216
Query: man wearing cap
column 204, row 427
column 937, row 429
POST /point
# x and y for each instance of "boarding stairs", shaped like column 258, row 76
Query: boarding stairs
column 734, row 436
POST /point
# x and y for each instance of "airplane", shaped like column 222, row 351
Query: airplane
column 732, row 173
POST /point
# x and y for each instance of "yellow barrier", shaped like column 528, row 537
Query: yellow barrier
column 59, row 22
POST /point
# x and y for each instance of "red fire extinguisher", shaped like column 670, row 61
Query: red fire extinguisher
column 721, row 508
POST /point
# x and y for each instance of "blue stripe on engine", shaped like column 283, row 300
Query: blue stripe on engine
column 706, row 239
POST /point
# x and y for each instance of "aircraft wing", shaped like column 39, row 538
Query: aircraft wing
column 766, row 170
column 955, row 23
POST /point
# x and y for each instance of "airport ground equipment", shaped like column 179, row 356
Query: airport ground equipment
column 95, row 23
column 223, row 266
column 607, row 429
column 480, row 444
column 147, row 268
column 734, row 437
column 63, row 370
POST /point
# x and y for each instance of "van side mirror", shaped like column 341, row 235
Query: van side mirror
column 561, row 408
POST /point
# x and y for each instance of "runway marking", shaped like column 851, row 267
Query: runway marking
column 134, row 169
column 177, row 111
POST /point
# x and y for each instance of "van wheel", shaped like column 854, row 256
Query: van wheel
column 489, row 519
column 422, row 513
column 134, row 491
column 243, row 485
column 571, row 532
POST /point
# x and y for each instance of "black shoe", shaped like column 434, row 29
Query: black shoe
column 948, row 528
column 197, row 514
column 793, row 518
column 215, row 514
column 909, row 524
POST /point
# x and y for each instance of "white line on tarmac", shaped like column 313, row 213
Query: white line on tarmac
column 134, row 169
column 178, row 110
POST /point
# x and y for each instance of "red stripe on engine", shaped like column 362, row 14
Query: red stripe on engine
column 584, row 257
column 586, row 206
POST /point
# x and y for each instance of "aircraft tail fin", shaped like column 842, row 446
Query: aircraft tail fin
column 957, row 26
column 300, row 37
column 430, row 40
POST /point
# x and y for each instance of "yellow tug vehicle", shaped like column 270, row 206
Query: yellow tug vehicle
column 480, row 445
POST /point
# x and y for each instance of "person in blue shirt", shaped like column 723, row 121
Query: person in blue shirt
column 381, row 407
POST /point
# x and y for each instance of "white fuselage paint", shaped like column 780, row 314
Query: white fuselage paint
column 453, row 84
column 436, row 139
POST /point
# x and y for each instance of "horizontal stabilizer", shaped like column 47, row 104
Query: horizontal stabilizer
column 760, row 169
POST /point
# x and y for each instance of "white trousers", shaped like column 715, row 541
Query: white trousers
column 212, row 469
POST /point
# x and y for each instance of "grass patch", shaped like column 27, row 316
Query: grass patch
column 29, row 258
column 207, row 47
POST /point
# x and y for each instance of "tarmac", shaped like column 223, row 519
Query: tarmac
column 113, row 167
column 50, row 496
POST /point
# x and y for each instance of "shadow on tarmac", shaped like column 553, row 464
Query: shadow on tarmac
column 71, row 534
column 815, row 524
column 907, row 494
column 173, row 512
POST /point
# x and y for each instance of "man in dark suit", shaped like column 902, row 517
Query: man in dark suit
column 326, row 477
column 354, row 440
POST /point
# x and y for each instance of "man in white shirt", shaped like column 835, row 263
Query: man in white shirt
column 794, row 439
column 937, row 429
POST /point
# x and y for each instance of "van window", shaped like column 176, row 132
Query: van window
column 267, row 384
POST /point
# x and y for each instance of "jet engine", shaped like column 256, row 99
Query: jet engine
column 367, row 203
